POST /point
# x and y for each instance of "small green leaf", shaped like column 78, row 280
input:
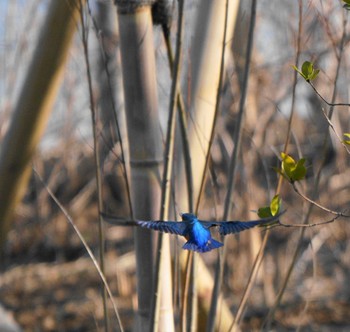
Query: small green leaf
column 347, row 135
column 297, row 70
column 307, row 68
column 272, row 209
column 300, row 170
column 288, row 165
column 292, row 170
column 313, row 75
column 275, row 205
column 308, row 72
column 346, row 5
column 264, row 212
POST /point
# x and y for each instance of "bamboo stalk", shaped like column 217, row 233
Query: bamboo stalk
column 163, row 268
column 145, row 142
column 204, row 74
column 34, row 105
column 220, row 266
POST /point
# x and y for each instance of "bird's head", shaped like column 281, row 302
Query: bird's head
column 188, row 217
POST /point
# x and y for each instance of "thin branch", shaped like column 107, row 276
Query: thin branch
column 327, row 102
column 114, row 108
column 260, row 255
column 278, row 299
column 340, row 214
column 183, row 122
column 309, row 225
column 335, row 132
column 97, row 161
column 219, row 266
column 166, row 182
column 189, row 263
column 89, row 251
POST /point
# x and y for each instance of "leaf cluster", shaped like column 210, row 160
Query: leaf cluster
column 307, row 71
column 347, row 135
column 290, row 169
column 271, row 210
column 346, row 4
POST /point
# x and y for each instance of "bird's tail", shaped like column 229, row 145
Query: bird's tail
column 211, row 244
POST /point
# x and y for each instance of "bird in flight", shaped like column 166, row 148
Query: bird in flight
column 197, row 232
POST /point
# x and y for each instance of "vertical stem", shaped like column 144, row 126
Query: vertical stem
column 260, row 256
column 219, row 266
column 315, row 185
column 97, row 164
column 233, row 163
column 114, row 107
column 169, row 152
column 145, row 143
column 183, row 126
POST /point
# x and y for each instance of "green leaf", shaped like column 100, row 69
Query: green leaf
column 292, row 170
column 275, row 205
column 347, row 2
column 300, row 170
column 264, row 212
column 288, row 165
column 272, row 209
column 347, row 135
column 314, row 74
column 307, row 68
column 308, row 72
column 297, row 70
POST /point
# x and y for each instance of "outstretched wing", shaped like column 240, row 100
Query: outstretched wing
column 231, row 227
column 171, row 227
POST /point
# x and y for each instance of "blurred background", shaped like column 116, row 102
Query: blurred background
column 49, row 283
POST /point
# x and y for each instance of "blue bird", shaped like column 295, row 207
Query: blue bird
column 197, row 232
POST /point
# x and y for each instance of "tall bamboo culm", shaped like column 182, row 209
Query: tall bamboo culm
column 145, row 145
column 204, row 72
column 34, row 105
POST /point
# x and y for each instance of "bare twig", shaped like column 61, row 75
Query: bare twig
column 89, row 251
column 340, row 214
column 166, row 182
column 327, row 102
column 183, row 123
column 219, row 266
column 186, row 290
column 335, row 132
column 309, row 225
column 278, row 299
column 97, row 160
column 260, row 255
column 114, row 108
